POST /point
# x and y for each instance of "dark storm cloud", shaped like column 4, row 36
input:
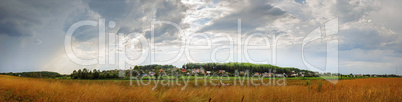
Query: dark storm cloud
column 368, row 39
column 163, row 33
column 26, row 22
column 16, row 23
column 85, row 32
column 20, row 18
column 131, row 17
column 108, row 9
column 173, row 12
column 363, row 39
column 28, row 29
column 252, row 15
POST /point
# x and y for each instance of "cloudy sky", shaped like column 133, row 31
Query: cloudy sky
column 368, row 34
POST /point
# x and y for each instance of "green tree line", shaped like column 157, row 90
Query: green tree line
column 231, row 67
column 94, row 74
column 40, row 74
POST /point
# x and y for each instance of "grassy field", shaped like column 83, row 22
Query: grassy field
column 33, row 89
column 231, row 78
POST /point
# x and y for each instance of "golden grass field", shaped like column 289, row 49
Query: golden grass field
column 356, row 90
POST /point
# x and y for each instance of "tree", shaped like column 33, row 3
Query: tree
column 157, row 72
column 85, row 73
column 90, row 75
column 74, row 75
column 138, row 69
column 79, row 74
column 115, row 74
column 33, row 74
column 107, row 76
column 95, row 74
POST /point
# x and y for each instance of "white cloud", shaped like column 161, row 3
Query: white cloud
column 369, row 34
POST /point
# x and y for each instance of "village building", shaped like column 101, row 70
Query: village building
column 174, row 69
column 278, row 75
column 222, row 71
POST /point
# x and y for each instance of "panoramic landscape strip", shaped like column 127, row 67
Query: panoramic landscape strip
column 15, row 88
column 200, row 51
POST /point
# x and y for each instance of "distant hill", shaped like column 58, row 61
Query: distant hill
column 151, row 67
column 39, row 74
column 253, row 68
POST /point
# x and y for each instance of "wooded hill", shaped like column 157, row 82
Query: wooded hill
column 40, row 74
column 252, row 68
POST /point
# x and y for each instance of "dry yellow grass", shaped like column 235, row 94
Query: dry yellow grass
column 356, row 90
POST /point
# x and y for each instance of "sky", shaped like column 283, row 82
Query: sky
column 339, row 36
